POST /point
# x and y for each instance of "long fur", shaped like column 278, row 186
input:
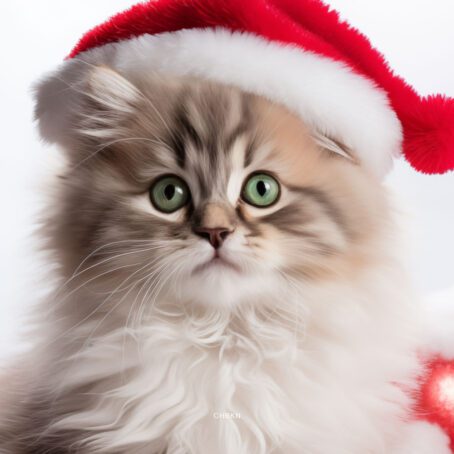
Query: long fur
column 147, row 346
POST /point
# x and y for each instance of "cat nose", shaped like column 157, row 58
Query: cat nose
column 215, row 236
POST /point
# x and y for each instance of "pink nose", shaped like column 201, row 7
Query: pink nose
column 215, row 236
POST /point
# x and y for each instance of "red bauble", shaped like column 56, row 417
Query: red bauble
column 436, row 399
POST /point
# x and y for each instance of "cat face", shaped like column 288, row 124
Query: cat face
column 206, row 194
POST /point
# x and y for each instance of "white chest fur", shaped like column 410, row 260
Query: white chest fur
column 318, row 374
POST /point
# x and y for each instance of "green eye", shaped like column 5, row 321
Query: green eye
column 261, row 190
column 169, row 193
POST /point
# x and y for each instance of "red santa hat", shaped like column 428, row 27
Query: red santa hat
column 295, row 52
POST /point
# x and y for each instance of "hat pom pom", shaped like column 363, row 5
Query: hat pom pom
column 429, row 135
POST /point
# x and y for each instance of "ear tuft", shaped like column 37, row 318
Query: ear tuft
column 82, row 98
column 112, row 90
column 333, row 146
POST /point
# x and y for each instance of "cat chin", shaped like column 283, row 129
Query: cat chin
column 226, row 286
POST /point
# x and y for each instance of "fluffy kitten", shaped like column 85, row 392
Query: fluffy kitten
column 193, row 316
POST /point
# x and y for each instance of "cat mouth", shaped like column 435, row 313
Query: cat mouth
column 217, row 262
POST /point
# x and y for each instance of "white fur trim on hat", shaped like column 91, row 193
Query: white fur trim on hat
column 327, row 95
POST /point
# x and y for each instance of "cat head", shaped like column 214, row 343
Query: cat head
column 200, row 191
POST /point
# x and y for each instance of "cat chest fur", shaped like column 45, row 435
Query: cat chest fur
column 216, row 383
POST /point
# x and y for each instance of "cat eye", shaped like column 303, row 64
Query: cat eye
column 261, row 190
column 169, row 194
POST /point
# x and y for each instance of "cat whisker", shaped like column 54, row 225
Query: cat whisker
column 98, row 307
column 110, row 310
column 134, row 252
column 152, row 273
column 90, row 336
column 117, row 256
column 105, row 246
column 150, row 284
column 79, row 273
column 160, row 282
column 148, row 279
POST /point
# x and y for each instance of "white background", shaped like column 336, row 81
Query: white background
column 416, row 36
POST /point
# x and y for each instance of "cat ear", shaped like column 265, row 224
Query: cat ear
column 111, row 100
column 333, row 146
column 112, row 91
column 83, row 100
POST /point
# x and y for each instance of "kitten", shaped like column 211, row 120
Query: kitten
column 228, row 283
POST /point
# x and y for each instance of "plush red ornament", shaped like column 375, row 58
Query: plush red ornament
column 323, row 69
column 436, row 399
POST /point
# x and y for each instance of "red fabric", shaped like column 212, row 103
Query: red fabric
column 436, row 398
column 310, row 24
